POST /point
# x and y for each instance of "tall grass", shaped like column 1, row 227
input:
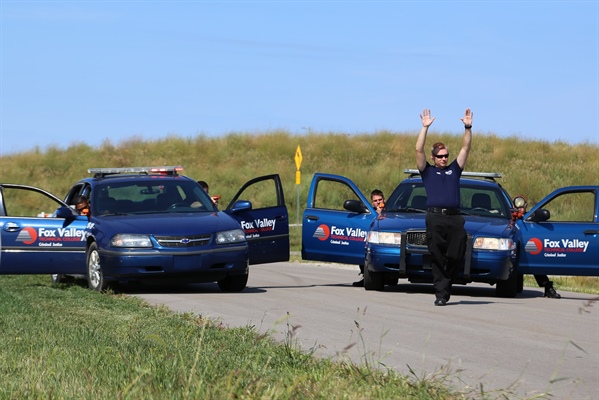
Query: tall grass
column 376, row 160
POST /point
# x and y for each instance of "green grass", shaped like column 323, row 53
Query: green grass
column 67, row 342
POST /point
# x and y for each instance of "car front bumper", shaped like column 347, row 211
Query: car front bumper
column 200, row 266
column 487, row 266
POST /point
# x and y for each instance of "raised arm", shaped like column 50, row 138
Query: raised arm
column 467, row 140
column 420, row 154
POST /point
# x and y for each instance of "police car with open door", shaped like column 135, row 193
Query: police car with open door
column 558, row 236
column 147, row 224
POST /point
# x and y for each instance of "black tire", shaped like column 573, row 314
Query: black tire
column 520, row 283
column 373, row 280
column 233, row 283
column 509, row 287
column 94, row 273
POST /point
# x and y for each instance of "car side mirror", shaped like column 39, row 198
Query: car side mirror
column 241, row 205
column 355, row 206
column 65, row 212
column 540, row 215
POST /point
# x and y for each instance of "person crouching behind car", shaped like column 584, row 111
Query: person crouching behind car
column 377, row 199
column 81, row 205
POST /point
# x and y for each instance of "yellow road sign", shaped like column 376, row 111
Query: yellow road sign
column 298, row 157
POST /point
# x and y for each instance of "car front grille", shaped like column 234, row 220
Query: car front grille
column 416, row 238
column 183, row 241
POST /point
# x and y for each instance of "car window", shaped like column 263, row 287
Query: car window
column 483, row 201
column 260, row 194
column 572, row 207
column 24, row 202
column 149, row 197
column 332, row 195
column 475, row 199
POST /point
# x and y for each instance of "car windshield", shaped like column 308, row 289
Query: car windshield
column 481, row 200
column 145, row 196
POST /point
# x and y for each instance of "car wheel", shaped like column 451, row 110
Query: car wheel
column 60, row 278
column 520, row 283
column 95, row 276
column 233, row 283
column 373, row 280
column 509, row 287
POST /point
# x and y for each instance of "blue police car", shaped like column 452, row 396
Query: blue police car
column 558, row 236
column 147, row 224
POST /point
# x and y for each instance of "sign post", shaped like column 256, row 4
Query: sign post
column 298, row 164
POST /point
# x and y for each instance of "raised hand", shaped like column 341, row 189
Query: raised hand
column 467, row 120
column 426, row 118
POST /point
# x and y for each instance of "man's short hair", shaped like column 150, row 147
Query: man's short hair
column 204, row 185
column 376, row 192
column 79, row 199
column 438, row 146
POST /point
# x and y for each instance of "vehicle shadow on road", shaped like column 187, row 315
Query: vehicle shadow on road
column 460, row 290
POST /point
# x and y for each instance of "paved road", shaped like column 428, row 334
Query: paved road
column 526, row 346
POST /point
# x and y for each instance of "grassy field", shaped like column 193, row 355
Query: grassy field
column 68, row 342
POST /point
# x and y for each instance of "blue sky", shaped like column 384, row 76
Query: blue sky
column 90, row 71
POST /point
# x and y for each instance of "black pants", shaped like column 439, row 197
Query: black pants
column 446, row 239
column 542, row 280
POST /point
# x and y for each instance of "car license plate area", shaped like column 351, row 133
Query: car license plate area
column 186, row 263
column 426, row 261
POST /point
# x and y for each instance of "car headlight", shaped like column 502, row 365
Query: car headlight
column 488, row 243
column 384, row 237
column 233, row 236
column 130, row 240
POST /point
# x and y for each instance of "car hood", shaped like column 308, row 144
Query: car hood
column 166, row 224
column 475, row 225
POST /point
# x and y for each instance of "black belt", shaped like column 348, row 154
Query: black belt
column 444, row 211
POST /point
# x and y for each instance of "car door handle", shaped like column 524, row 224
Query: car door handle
column 312, row 217
column 12, row 227
column 591, row 232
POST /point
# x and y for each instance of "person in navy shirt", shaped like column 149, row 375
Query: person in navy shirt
column 445, row 232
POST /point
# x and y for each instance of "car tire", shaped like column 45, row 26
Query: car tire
column 520, row 283
column 233, row 283
column 373, row 280
column 94, row 273
column 509, row 287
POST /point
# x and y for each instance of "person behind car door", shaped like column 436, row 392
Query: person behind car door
column 81, row 205
column 445, row 232
column 377, row 199
column 204, row 186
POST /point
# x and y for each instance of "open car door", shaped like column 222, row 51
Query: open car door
column 266, row 223
column 560, row 234
column 39, row 233
column 336, row 221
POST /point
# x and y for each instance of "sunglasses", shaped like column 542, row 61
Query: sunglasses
column 442, row 155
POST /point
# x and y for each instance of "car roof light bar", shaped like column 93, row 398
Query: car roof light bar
column 490, row 175
column 168, row 170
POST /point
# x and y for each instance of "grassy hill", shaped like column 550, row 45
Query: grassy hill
column 377, row 160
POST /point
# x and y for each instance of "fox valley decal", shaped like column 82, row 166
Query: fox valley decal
column 256, row 227
column 556, row 248
column 338, row 235
column 50, row 237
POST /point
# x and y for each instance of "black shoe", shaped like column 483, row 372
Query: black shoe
column 359, row 283
column 551, row 293
column 440, row 302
